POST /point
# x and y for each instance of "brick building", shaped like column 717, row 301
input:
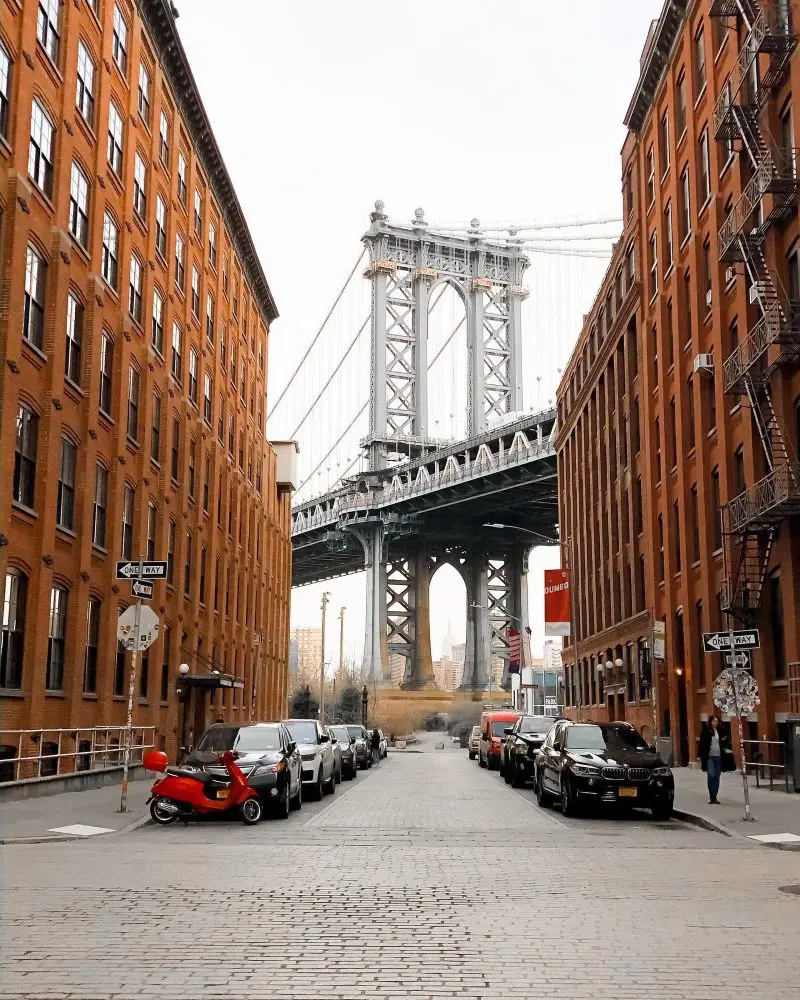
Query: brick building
column 134, row 321
column 710, row 186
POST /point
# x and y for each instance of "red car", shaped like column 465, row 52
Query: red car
column 493, row 732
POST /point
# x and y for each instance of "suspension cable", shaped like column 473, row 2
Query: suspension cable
column 317, row 334
column 333, row 448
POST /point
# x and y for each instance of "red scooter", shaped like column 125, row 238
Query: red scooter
column 185, row 793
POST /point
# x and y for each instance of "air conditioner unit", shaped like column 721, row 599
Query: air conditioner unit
column 708, row 299
column 704, row 363
column 753, row 294
column 730, row 275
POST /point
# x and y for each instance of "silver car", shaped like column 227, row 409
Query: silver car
column 346, row 745
column 337, row 755
column 316, row 754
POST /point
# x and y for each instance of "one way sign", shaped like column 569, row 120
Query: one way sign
column 720, row 642
column 129, row 570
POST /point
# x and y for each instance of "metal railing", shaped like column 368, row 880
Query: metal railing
column 776, row 326
column 794, row 687
column 739, row 78
column 45, row 752
column 762, row 503
column 767, row 762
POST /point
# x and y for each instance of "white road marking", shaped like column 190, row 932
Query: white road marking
column 82, row 830
column 776, row 838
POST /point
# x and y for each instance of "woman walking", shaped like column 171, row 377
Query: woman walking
column 715, row 748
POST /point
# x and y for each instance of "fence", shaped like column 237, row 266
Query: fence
column 41, row 753
column 766, row 760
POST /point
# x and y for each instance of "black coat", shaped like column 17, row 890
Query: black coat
column 728, row 760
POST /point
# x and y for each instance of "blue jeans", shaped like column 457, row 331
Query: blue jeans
column 713, row 771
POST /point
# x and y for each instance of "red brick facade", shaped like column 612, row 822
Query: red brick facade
column 111, row 335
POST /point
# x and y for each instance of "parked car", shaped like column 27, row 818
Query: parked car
column 347, row 749
column 362, row 746
column 383, row 746
column 523, row 742
column 316, row 753
column 493, row 732
column 605, row 762
column 474, row 742
column 337, row 756
column 267, row 756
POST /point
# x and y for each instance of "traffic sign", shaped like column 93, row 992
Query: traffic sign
column 719, row 642
column 148, row 627
column 142, row 589
column 129, row 569
column 739, row 659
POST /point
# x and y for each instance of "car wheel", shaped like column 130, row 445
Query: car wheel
column 284, row 803
column 517, row 781
column 662, row 812
column 250, row 811
column 297, row 801
column 318, row 789
column 339, row 775
column 501, row 767
column 471, row 755
column 541, row 795
column 568, row 804
column 331, row 782
column 159, row 814
column 507, row 772
column 481, row 761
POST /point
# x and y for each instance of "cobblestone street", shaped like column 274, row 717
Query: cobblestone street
column 426, row 877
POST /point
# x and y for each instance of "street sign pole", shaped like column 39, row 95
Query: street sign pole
column 126, row 763
column 747, row 816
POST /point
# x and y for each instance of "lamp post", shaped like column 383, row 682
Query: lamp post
column 364, row 704
column 325, row 598
column 183, row 670
column 567, row 546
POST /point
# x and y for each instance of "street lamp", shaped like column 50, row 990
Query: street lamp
column 183, row 670
column 364, row 703
column 325, row 598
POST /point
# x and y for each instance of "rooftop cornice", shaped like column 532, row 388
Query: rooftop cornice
column 655, row 62
column 159, row 18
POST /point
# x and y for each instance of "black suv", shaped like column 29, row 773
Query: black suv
column 268, row 758
column 606, row 762
column 521, row 748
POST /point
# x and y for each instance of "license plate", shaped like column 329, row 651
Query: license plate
column 628, row 793
column 226, row 792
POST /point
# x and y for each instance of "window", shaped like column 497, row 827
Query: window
column 176, row 446
column 163, row 138
column 79, row 205
column 676, row 530
column 663, row 142
column 27, row 439
column 210, row 317
column 653, row 252
column 231, row 508
column 65, row 497
column 705, row 170
column 651, row 177
column 192, row 463
column 668, row 237
column 206, row 482
column 690, row 412
column 47, row 27
column 193, row 375
column 157, row 324
column 161, row 226
column 700, row 663
column 144, row 675
column 694, row 515
column 658, row 449
column 242, row 380
column 144, row 94
column 12, row 629
column 187, row 566
column 35, row 282
column 638, row 511
column 233, row 364
column 180, row 270
column 203, row 574
column 241, row 449
column 92, row 643
column 155, row 428
column 198, row 214
column 231, row 433
column 139, row 186
column 222, row 348
column 787, row 140
column 152, row 513
column 177, row 356
column 165, row 654
column 208, row 413
column 710, row 399
column 739, row 479
column 57, row 634
column 699, row 62
column 5, row 89
column 680, row 106
column 669, row 338
column 135, row 289
column 119, row 668
column 221, row 422
column 110, row 250
column 733, row 333
column 706, row 265
column 716, row 520
column 216, row 584
column 684, row 205
column 106, row 366
column 119, row 41
column 687, row 307
column 673, row 433
column 128, row 497
column 661, row 570
column 195, row 292
column 182, row 179
column 99, row 506
column 133, row 403
column 212, row 245
column 727, row 144
column 171, row 552
column 40, row 150
column 84, row 96
column 115, row 139
column 777, row 628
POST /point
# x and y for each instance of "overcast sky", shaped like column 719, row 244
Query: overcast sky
column 510, row 110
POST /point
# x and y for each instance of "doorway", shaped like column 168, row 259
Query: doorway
column 620, row 706
column 683, row 722
column 611, row 708
column 198, row 716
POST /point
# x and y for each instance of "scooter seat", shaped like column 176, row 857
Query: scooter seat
column 200, row 776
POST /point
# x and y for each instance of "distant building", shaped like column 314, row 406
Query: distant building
column 307, row 641
column 397, row 668
column 459, row 653
column 448, row 673
column 294, row 658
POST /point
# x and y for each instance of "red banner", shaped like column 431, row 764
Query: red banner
column 514, row 649
column 556, row 602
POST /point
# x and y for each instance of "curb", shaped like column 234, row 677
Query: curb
column 64, row 838
column 704, row 822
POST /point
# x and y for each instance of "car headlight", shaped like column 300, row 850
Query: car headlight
column 584, row 769
column 270, row 768
column 661, row 772
column 308, row 756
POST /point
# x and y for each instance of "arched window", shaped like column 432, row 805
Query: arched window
column 12, row 633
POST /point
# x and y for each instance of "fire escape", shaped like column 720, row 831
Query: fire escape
column 772, row 343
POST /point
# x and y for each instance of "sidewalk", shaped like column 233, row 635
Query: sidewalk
column 777, row 813
column 70, row 815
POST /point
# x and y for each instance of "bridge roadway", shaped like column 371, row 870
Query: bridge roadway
column 425, row 878
column 506, row 474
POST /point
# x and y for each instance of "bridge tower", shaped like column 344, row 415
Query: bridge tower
column 406, row 264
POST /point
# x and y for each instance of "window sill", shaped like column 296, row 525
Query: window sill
column 106, row 419
column 89, row 696
column 669, row 272
column 685, row 240
column 39, row 358
column 711, row 433
column 52, row 69
column 143, row 701
column 73, row 390
column 67, row 533
column 726, row 166
column 701, row 96
column 704, row 207
column 24, row 510
column 54, row 694
column 119, row 697
column 716, row 553
column 12, row 693
column 779, row 684
column 99, row 550
column 133, row 444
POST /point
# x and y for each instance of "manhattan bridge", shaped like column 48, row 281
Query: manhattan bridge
column 414, row 437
